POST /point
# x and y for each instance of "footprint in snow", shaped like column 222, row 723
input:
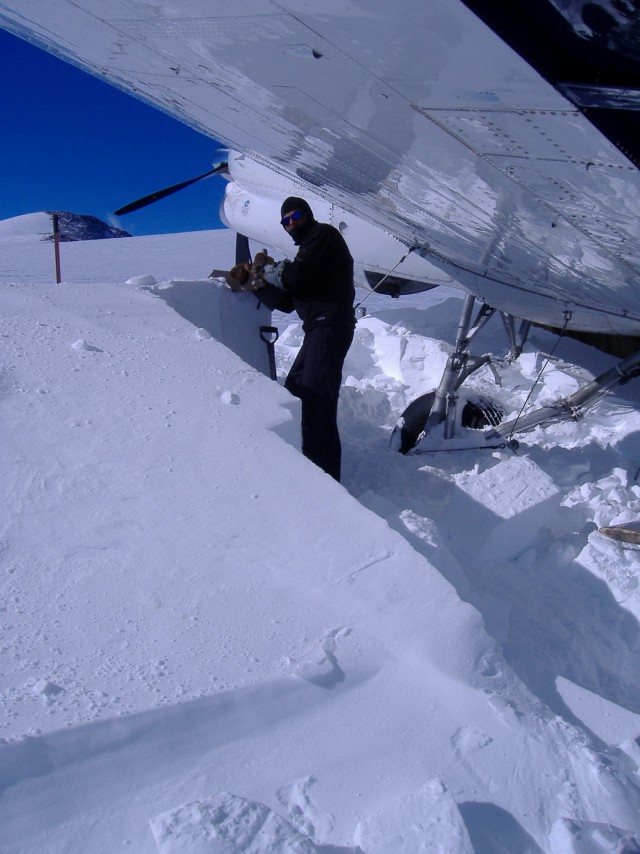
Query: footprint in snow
column 230, row 398
column 304, row 814
column 320, row 666
column 468, row 739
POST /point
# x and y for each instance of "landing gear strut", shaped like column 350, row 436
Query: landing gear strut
column 572, row 408
column 439, row 406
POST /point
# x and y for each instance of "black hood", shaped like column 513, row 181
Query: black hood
column 295, row 203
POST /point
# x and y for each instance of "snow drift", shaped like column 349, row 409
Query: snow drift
column 208, row 645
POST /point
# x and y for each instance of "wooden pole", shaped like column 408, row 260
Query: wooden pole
column 56, row 243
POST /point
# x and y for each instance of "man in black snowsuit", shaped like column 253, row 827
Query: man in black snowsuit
column 318, row 283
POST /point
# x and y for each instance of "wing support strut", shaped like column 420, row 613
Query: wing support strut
column 573, row 407
column 439, row 407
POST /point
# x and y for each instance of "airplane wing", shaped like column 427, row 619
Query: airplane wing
column 415, row 116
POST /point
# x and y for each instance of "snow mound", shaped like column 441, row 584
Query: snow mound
column 190, row 607
column 417, row 824
column 35, row 225
column 227, row 824
column 585, row 837
column 143, row 281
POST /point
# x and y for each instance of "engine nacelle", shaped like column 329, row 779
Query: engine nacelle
column 251, row 206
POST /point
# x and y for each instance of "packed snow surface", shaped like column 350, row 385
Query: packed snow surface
column 208, row 645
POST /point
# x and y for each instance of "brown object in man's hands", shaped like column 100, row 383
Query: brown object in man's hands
column 246, row 276
column 241, row 273
column 261, row 260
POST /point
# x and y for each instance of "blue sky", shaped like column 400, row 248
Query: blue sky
column 71, row 142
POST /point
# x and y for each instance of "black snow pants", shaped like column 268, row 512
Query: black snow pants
column 315, row 377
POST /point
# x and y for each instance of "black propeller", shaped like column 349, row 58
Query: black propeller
column 243, row 252
column 161, row 194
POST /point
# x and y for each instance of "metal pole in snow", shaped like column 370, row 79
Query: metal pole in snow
column 56, row 244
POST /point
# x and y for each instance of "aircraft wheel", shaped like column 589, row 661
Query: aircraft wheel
column 478, row 412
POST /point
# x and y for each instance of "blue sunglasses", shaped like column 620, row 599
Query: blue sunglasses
column 296, row 216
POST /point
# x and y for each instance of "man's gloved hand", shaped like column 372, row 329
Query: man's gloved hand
column 272, row 274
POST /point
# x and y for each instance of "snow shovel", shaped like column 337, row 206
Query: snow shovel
column 269, row 335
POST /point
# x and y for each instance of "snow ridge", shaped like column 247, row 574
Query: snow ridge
column 207, row 645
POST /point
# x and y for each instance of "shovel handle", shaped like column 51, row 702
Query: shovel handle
column 269, row 335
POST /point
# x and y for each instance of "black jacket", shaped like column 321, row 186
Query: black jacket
column 320, row 277
column 319, row 280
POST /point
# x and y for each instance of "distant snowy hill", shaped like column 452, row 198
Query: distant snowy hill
column 72, row 227
column 75, row 226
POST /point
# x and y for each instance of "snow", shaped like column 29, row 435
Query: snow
column 27, row 225
column 206, row 644
column 228, row 823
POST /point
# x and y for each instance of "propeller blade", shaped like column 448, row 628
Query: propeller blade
column 243, row 253
column 161, row 194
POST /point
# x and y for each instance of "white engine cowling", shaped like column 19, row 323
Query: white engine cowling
column 251, row 206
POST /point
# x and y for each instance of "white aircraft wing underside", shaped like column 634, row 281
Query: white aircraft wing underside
column 414, row 116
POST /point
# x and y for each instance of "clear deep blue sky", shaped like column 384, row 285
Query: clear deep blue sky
column 69, row 141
